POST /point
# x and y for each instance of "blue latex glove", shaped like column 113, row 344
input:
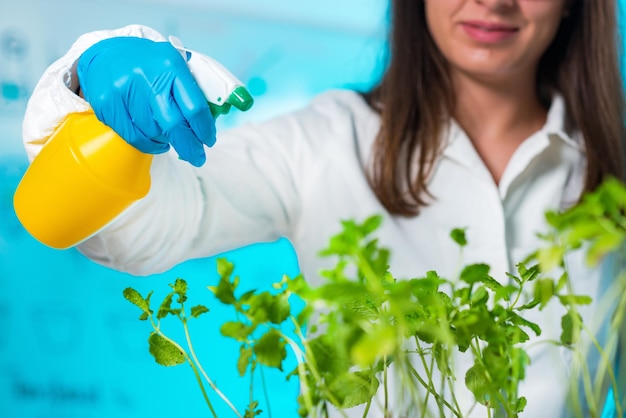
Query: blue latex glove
column 146, row 93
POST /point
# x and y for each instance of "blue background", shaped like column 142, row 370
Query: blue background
column 70, row 345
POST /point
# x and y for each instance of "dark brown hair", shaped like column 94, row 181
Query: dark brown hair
column 415, row 97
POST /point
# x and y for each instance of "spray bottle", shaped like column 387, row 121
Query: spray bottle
column 86, row 175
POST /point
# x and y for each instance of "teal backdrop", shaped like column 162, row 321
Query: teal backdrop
column 70, row 345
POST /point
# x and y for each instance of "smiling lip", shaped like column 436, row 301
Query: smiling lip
column 488, row 32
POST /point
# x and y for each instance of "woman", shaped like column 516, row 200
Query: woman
column 490, row 113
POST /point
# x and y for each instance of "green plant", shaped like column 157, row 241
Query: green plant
column 596, row 226
column 363, row 319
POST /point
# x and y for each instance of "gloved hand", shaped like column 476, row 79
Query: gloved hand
column 145, row 92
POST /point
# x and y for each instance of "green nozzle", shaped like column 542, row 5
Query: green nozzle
column 241, row 99
column 217, row 110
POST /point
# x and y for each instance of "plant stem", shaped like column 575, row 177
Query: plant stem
column 385, row 386
column 429, row 376
column 477, row 355
column 302, row 374
column 199, row 379
column 313, row 368
column 609, row 369
column 206, row 377
column 372, row 279
column 519, row 294
column 434, row 393
column 587, row 385
column 265, row 394
column 251, row 390
column 157, row 329
column 454, row 400
column 310, row 362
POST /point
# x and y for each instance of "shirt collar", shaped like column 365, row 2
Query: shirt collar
column 555, row 123
column 554, row 127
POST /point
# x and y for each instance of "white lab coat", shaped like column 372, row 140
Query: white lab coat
column 298, row 175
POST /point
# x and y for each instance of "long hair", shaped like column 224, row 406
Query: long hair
column 415, row 97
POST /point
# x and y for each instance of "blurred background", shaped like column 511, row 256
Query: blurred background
column 70, row 345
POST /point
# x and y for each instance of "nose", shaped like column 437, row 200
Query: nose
column 497, row 4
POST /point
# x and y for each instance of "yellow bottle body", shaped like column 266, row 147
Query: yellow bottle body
column 83, row 178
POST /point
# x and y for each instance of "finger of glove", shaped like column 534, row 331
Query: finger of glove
column 187, row 95
column 176, row 130
column 187, row 145
column 133, row 123
column 119, row 98
column 194, row 107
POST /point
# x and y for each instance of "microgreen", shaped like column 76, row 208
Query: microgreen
column 363, row 320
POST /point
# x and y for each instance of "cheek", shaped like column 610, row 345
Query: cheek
column 546, row 18
column 439, row 17
column 440, row 29
column 545, row 31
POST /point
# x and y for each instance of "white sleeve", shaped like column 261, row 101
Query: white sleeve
column 252, row 188
column 53, row 98
column 244, row 193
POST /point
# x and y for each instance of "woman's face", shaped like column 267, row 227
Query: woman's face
column 494, row 39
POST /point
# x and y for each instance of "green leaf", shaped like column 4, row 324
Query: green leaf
column 371, row 224
column 492, row 284
column 303, row 317
column 472, row 323
column 267, row 307
column 136, row 299
column 515, row 335
column 352, row 389
column 428, row 285
column 245, row 297
column 515, row 278
column 342, row 293
column 480, row 296
column 604, row 245
column 543, row 291
column 224, row 267
column 236, row 330
column 270, row 349
column 562, row 282
column 477, row 381
column 443, row 359
column 571, row 300
column 198, row 310
column 164, row 351
column 496, row 362
column 529, row 305
column 458, row 236
column 571, row 326
column 165, row 307
column 298, row 285
column 505, row 292
column 475, row 273
column 225, row 289
column 252, row 410
column 245, row 356
column 518, row 320
column 528, row 274
column 180, row 288
column 431, row 332
column 520, row 404
column 378, row 342
column 550, row 257
column 328, row 357
column 463, row 294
